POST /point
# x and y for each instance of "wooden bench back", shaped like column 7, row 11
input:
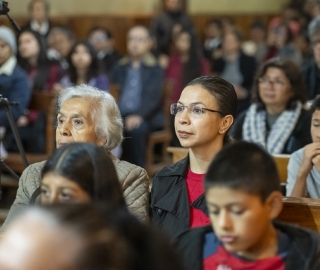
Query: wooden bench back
column 281, row 160
column 301, row 211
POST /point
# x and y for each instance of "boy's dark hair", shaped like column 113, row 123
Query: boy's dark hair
column 315, row 104
column 244, row 166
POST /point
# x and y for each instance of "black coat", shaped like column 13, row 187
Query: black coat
column 152, row 81
column 311, row 77
column 303, row 254
column 169, row 198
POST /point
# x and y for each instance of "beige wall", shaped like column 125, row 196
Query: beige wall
column 76, row 7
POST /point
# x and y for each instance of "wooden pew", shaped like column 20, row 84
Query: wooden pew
column 43, row 102
column 281, row 160
column 301, row 211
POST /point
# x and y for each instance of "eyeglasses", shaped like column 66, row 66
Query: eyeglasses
column 276, row 84
column 194, row 110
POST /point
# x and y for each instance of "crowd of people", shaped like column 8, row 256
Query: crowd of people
column 234, row 104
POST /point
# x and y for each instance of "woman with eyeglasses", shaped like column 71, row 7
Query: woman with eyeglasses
column 276, row 120
column 203, row 115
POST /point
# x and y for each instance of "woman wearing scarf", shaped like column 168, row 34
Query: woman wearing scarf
column 276, row 120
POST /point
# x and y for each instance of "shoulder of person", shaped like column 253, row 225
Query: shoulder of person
column 128, row 172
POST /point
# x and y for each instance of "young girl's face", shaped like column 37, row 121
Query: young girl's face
column 28, row 46
column 81, row 57
column 58, row 189
column 5, row 52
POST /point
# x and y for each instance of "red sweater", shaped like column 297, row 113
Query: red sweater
column 195, row 189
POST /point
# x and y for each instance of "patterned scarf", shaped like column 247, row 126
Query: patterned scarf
column 254, row 128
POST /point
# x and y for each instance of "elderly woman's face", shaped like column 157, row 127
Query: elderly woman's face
column 75, row 124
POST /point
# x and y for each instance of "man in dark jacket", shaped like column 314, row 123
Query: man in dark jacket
column 140, row 99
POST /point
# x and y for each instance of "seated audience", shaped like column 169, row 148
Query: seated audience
column 242, row 193
column 60, row 41
column 311, row 71
column 86, row 114
column 235, row 67
column 43, row 74
column 257, row 45
column 280, row 44
column 103, row 42
column 32, row 57
column 304, row 165
column 276, row 119
column 141, row 82
column 14, row 83
column 39, row 18
column 83, row 67
column 203, row 116
column 212, row 41
column 161, row 26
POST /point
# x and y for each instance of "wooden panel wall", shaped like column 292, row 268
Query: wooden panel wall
column 119, row 24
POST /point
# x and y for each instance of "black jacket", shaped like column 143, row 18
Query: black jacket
column 304, row 252
column 152, row 80
column 311, row 77
column 169, row 198
column 299, row 137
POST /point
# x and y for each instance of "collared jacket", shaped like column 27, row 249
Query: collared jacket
column 134, row 181
column 303, row 253
column 169, row 203
column 152, row 81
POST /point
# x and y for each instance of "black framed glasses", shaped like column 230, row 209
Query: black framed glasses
column 194, row 110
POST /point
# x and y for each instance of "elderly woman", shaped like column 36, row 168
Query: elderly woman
column 86, row 114
column 276, row 120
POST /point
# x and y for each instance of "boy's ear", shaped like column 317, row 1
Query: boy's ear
column 225, row 123
column 274, row 203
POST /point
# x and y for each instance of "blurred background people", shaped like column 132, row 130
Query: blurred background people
column 32, row 57
column 43, row 74
column 39, row 18
column 14, row 84
column 257, row 44
column 60, row 41
column 276, row 120
column 83, row 67
column 212, row 39
column 141, row 82
column 280, row 44
column 235, row 66
column 311, row 71
column 103, row 42
column 161, row 26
